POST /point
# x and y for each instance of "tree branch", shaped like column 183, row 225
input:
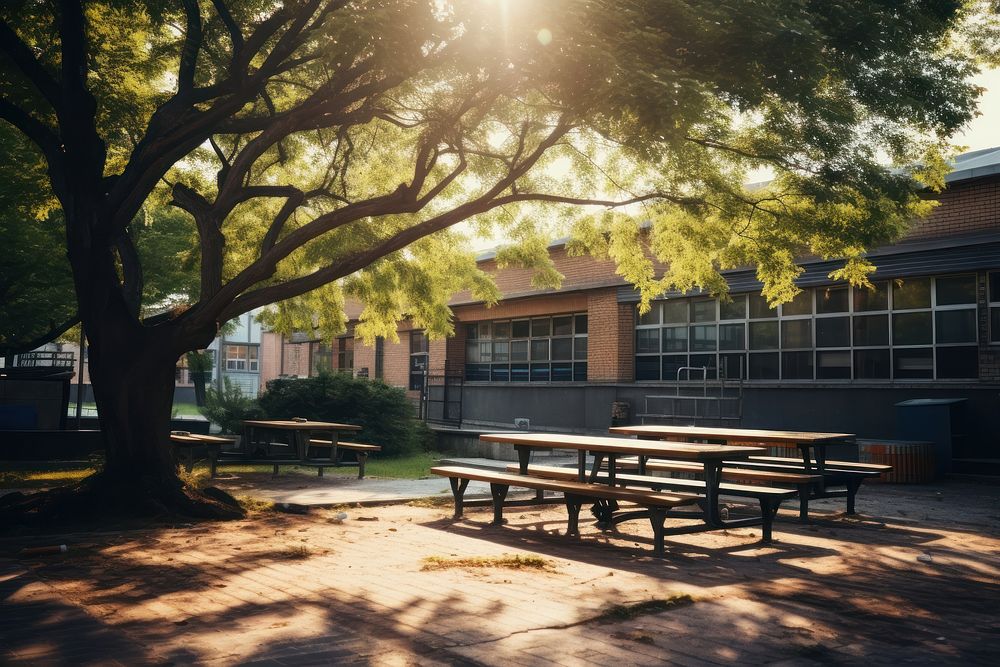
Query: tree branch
column 235, row 35
column 47, row 337
column 191, row 47
column 21, row 54
column 37, row 131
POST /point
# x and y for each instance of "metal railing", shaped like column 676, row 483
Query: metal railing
column 45, row 359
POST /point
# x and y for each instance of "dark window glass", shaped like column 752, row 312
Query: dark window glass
column 520, row 329
column 539, row 350
column 871, row 330
column 958, row 362
column 995, row 287
column 580, row 371
column 734, row 310
column 763, row 335
column 562, row 372
column 486, row 351
column 912, row 363
column 911, row 328
column 477, row 372
column 703, row 337
column 732, row 337
column 911, row 293
column 501, row 351
column 995, row 325
column 647, row 340
column 581, row 324
column 647, row 368
column 733, row 366
column 703, row 311
column 484, row 330
column 501, row 373
column 871, row 299
column 871, row 364
column 562, row 349
column 675, row 312
column 472, row 352
column 796, row 333
column 501, row 330
column 519, row 373
column 834, row 332
column 706, row 361
column 519, row 350
column 764, row 366
column 541, row 326
column 759, row 308
column 472, row 331
column 801, row 304
column 671, row 364
column 418, row 342
column 832, row 300
column 540, row 373
column 835, row 365
column 562, row 326
column 797, row 365
column 675, row 339
column 954, row 290
column 652, row 317
column 580, row 348
column 956, row 326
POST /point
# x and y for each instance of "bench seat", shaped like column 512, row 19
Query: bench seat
column 361, row 451
column 769, row 498
column 574, row 492
column 876, row 468
column 185, row 446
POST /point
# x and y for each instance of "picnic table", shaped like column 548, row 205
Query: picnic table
column 259, row 435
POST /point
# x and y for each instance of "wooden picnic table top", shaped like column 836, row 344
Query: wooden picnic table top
column 293, row 425
column 676, row 450
column 200, row 438
column 734, row 434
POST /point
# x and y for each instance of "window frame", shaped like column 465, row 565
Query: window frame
column 532, row 367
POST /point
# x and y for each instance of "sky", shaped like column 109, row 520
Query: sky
column 984, row 131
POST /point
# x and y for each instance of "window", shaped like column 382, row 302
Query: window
column 242, row 358
column 994, row 298
column 418, row 359
column 322, row 358
column 540, row 349
column 345, row 354
column 379, row 358
column 920, row 328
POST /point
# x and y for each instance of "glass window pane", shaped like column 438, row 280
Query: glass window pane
column 801, row 304
column 953, row 290
column 871, row 299
column 653, row 316
column 734, row 310
column 647, row 368
column 732, row 336
column 540, row 350
column 759, row 308
column 647, row 341
column 484, row 330
column 871, row 330
column 797, row 365
column 540, row 373
column 562, row 326
column 995, row 287
column 911, row 293
column 871, row 364
column 519, row 350
column 520, row 329
column 796, row 333
column 956, row 326
column 675, row 312
column 911, row 328
column 500, row 373
column 501, row 351
column 703, row 337
column 562, row 349
column 477, row 372
column 913, row 363
column 703, row 310
column 764, row 366
column 486, row 351
column 675, row 339
column 501, row 330
column 834, row 332
column 672, row 364
column 562, row 372
column 471, row 331
column 580, row 371
column 580, row 348
column 519, row 373
column 706, row 361
column 541, row 326
column 581, row 324
column 763, row 335
column 472, row 352
column 833, row 365
column 733, row 366
column 832, row 299
column 995, row 325
column 958, row 362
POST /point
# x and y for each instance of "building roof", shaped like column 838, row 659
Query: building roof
column 975, row 164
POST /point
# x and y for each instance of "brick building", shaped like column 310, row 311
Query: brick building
column 835, row 358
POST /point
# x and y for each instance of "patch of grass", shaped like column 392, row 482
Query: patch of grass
column 625, row 612
column 415, row 466
column 295, row 552
column 41, row 479
column 515, row 562
column 431, row 501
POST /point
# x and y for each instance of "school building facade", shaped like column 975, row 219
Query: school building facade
column 836, row 358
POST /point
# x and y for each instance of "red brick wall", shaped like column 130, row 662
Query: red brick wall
column 610, row 328
column 964, row 208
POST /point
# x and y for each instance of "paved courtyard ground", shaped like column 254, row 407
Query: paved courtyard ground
column 914, row 580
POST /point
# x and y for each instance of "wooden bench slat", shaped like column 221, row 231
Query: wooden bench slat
column 728, row 473
column 843, row 465
column 353, row 446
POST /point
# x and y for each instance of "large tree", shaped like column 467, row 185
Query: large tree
column 324, row 147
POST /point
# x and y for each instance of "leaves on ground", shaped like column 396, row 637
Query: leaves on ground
column 506, row 561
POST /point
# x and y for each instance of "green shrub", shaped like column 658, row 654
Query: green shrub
column 385, row 414
column 229, row 407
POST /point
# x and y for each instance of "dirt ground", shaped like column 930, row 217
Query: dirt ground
column 914, row 579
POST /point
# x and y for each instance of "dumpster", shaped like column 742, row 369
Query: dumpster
column 939, row 420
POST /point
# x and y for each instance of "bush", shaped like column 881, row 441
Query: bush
column 229, row 407
column 385, row 414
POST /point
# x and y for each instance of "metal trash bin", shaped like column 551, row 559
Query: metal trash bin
column 939, row 420
column 912, row 461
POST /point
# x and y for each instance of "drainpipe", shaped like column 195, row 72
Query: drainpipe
column 79, row 380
